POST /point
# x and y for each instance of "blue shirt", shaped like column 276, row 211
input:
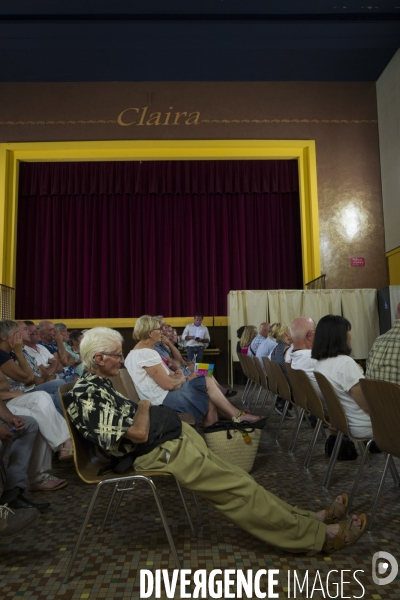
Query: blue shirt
column 265, row 348
column 255, row 344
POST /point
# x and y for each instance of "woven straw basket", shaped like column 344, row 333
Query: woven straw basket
column 230, row 445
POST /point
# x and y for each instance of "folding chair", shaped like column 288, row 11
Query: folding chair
column 89, row 460
column 272, row 384
column 243, row 365
column 314, row 407
column 284, row 392
column 263, row 381
column 338, row 420
column 383, row 400
column 300, row 399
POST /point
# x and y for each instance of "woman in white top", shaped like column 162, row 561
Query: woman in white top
column 153, row 380
column 331, row 349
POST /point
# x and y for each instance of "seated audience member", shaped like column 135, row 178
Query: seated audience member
column 281, row 334
column 383, row 360
column 72, row 346
column 248, row 336
column 43, row 382
column 49, row 366
column 198, row 396
column 197, row 338
column 53, row 341
column 239, row 334
column 53, row 431
column 13, row 522
column 185, row 455
column 262, row 334
column 331, row 349
column 266, row 346
column 302, row 331
column 174, row 359
column 19, row 434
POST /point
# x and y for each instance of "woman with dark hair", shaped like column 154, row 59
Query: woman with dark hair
column 331, row 349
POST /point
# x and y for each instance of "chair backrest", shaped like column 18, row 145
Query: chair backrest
column 119, row 385
column 87, row 460
column 261, row 374
column 314, row 403
column 272, row 383
column 283, row 386
column 242, row 363
column 298, row 393
column 383, row 401
column 129, row 385
column 253, row 373
column 337, row 416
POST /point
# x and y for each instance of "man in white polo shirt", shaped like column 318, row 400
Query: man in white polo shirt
column 302, row 331
column 197, row 338
column 47, row 363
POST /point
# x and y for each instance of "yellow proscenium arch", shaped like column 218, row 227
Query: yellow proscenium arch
column 301, row 150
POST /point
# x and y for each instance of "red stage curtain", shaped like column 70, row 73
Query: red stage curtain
column 120, row 239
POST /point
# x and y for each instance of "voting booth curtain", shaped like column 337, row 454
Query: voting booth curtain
column 360, row 307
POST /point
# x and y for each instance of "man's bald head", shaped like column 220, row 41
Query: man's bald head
column 302, row 330
column 264, row 329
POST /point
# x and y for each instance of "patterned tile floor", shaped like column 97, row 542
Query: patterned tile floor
column 108, row 565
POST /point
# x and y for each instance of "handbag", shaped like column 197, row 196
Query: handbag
column 347, row 449
column 165, row 425
column 237, row 443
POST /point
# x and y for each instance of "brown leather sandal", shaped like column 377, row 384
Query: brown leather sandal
column 336, row 511
column 347, row 535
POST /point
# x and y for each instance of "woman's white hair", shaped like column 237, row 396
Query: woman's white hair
column 98, row 340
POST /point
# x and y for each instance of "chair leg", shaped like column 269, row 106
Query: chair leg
column 357, row 479
column 246, row 387
column 249, row 393
column 265, row 400
column 311, row 445
column 185, row 506
column 256, row 402
column 163, row 519
column 109, row 508
column 282, row 419
column 270, row 410
column 332, row 462
column 199, row 511
column 119, row 499
column 393, row 471
column 378, row 494
column 296, row 431
column 82, row 532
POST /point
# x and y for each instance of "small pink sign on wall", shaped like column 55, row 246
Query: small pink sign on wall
column 357, row 261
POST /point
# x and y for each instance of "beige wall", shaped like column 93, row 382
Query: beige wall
column 388, row 99
column 341, row 117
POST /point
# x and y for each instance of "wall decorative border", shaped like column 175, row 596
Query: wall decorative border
column 301, row 150
column 206, row 121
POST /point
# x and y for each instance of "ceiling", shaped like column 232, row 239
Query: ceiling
column 197, row 40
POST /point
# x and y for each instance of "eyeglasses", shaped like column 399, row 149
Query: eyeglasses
column 156, row 329
column 119, row 356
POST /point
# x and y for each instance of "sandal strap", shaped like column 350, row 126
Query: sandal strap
column 347, row 535
column 336, row 511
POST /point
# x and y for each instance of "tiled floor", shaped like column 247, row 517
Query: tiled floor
column 108, row 565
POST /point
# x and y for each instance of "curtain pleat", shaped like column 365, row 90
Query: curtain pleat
column 90, row 247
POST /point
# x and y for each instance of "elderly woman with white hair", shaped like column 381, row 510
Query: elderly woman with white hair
column 154, row 381
column 130, row 432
